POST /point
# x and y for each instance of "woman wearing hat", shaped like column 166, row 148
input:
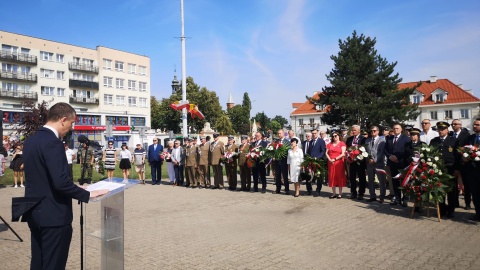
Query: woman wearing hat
column 125, row 156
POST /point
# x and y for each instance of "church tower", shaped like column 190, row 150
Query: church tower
column 230, row 103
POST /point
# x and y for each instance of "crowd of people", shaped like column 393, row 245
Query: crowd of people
column 199, row 162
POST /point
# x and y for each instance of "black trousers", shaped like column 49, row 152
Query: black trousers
column 156, row 171
column 473, row 178
column 178, row 169
column 245, row 177
column 281, row 170
column 259, row 173
column 70, row 171
column 358, row 170
column 467, row 194
column 50, row 246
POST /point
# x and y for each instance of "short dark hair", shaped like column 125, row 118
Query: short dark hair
column 294, row 140
column 59, row 110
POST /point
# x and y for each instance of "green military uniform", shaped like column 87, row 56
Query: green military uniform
column 231, row 167
column 88, row 164
column 190, row 165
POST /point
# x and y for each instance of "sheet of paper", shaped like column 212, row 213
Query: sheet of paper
column 104, row 185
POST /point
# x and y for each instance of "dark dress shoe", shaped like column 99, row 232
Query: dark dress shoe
column 309, row 193
column 475, row 218
column 276, row 192
column 381, row 201
column 468, row 207
column 371, row 200
column 394, row 202
column 353, row 197
column 264, row 190
column 360, row 197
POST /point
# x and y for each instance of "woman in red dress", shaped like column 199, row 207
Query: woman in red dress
column 336, row 168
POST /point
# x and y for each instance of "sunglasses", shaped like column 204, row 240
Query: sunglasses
column 425, row 123
column 110, row 144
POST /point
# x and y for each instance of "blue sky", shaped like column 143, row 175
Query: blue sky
column 276, row 50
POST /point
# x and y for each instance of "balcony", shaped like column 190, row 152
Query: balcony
column 18, row 57
column 14, row 76
column 10, row 94
column 83, row 84
column 83, row 67
column 84, row 100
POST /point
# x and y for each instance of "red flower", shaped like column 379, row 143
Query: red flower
column 474, row 154
column 424, row 177
column 431, row 172
column 356, row 152
column 439, row 184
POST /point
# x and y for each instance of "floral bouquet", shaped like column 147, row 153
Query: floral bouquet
column 357, row 153
column 313, row 166
column 255, row 154
column 426, row 178
column 166, row 156
column 469, row 152
column 276, row 150
column 228, row 157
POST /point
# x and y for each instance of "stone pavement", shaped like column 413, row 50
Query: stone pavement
column 170, row 227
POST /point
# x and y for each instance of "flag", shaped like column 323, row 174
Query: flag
column 195, row 112
column 380, row 171
column 179, row 105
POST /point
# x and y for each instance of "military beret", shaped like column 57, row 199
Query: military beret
column 442, row 125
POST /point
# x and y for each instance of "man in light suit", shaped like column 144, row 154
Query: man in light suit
column 376, row 148
column 395, row 155
column 178, row 159
column 155, row 161
column 357, row 168
column 46, row 172
column 317, row 150
column 217, row 150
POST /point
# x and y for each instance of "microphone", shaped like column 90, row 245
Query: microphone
column 83, row 139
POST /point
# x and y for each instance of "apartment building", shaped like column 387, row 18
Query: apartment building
column 104, row 85
column 437, row 99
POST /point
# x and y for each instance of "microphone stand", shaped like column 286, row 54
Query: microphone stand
column 82, row 179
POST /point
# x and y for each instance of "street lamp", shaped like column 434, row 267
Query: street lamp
column 175, row 84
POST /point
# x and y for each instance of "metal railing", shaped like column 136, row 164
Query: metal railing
column 18, row 57
column 83, row 84
column 18, row 95
column 18, row 76
column 83, row 67
column 84, row 100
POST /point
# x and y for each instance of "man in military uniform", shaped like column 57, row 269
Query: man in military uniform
column 447, row 147
column 231, row 167
column 191, row 163
column 202, row 162
column 474, row 170
column 414, row 145
column 245, row 171
column 217, row 150
column 88, row 164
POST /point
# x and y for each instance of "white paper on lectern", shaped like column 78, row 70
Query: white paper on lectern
column 104, row 185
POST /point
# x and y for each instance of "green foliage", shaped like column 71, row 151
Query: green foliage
column 263, row 120
column 274, row 126
column 246, row 104
column 224, row 126
column 239, row 119
column 364, row 87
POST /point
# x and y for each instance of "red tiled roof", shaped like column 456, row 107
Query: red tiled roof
column 455, row 93
column 296, row 104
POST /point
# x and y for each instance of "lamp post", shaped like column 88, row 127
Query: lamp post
column 184, row 76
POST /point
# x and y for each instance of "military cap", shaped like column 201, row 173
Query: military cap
column 190, row 139
column 364, row 132
column 415, row 131
column 442, row 125
column 202, row 138
column 343, row 129
column 244, row 137
column 230, row 137
column 215, row 135
column 408, row 127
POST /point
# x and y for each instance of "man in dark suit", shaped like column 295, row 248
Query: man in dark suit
column 281, row 166
column 306, row 144
column 259, row 172
column 155, row 161
column 461, row 134
column 474, row 170
column 395, row 154
column 46, row 172
column 317, row 150
column 357, row 168
column 448, row 148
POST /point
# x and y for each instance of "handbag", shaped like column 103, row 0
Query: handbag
column 12, row 164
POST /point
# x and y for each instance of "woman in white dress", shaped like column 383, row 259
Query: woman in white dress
column 294, row 159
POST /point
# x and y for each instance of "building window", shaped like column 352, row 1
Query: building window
column 119, row 66
column 108, row 99
column 60, row 58
column 88, row 120
column 132, row 68
column 107, row 81
column 312, row 121
column 76, row 60
column 142, row 102
column 416, row 99
column 61, row 92
column 120, row 100
column 48, row 91
column 300, row 122
column 142, row 86
column 47, row 56
column 448, row 115
column 25, row 51
column 137, row 121
column 439, row 98
column 88, row 62
column 464, row 114
column 47, row 73
column 132, row 85
column 117, row 120
column 60, row 75
column 9, row 68
column 8, row 48
column 142, row 70
column 132, row 101
column 88, row 78
column 107, row 64
column 82, row 93
column 119, row 83
column 433, row 115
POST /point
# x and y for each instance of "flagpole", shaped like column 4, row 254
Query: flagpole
column 184, row 75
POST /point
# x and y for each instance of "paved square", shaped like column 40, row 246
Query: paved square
column 170, row 227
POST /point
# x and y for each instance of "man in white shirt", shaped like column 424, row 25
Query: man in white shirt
column 70, row 157
column 427, row 133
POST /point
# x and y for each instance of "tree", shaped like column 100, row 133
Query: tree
column 246, row 104
column 363, row 88
column 155, row 113
column 281, row 120
column 274, row 125
column 33, row 118
column 239, row 119
column 224, row 126
column 263, row 120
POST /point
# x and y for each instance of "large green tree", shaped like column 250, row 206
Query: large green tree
column 363, row 87
column 207, row 101
column 281, row 120
column 239, row 119
column 262, row 119
column 224, row 126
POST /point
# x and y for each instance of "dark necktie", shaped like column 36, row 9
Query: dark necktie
column 456, row 134
column 395, row 140
column 355, row 140
column 477, row 140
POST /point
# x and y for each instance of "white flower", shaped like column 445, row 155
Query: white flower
column 429, row 159
column 422, row 160
column 477, row 158
column 465, row 155
column 262, row 153
column 428, row 149
column 429, row 163
column 360, row 157
column 365, row 154
column 421, row 155
column 423, row 148
column 477, row 153
column 362, row 149
column 440, row 173
column 436, row 158
column 434, row 165
column 270, row 147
